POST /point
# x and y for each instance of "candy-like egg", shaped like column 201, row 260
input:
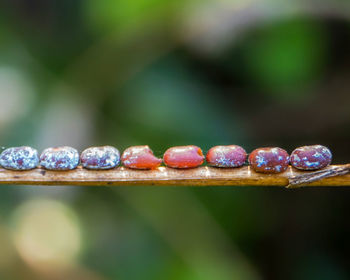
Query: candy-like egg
column 226, row 156
column 60, row 158
column 140, row 157
column 104, row 157
column 311, row 157
column 269, row 160
column 19, row 158
column 183, row 157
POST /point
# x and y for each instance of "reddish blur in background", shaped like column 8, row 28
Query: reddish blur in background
column 165, row 73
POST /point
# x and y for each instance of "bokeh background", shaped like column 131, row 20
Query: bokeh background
column 166, row 73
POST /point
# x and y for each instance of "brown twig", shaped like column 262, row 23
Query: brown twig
column 307, row 178
column 163, row 176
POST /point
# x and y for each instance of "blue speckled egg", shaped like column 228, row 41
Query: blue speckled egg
column 60, row 158
column 19, row 158
column 105, row 157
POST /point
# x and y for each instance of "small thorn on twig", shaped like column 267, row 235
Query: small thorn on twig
column 304, row 179
column 292, row 186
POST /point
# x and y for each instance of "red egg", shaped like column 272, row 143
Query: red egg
column 226, row 156
column 140, row 157
column 183, row 157
column 269, row 160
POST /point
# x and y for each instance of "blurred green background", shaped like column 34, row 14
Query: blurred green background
column 165, row 73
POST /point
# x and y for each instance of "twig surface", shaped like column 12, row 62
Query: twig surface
column 163, row 176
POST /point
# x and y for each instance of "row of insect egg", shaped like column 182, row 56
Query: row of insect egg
column 264, row 160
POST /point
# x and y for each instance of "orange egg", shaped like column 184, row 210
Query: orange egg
column 183, row 157
column 140, row 157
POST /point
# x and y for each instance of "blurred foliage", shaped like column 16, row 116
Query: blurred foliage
column 284, row 58
column 166, row 73
column 123, row 15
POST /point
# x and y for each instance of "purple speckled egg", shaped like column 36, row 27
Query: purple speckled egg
column 269, row 160
column 105, row 157
column 60, row 158
column 19, row 158
column 311, row 157
column 226, row 156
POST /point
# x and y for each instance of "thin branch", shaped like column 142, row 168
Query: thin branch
column 163, row 176
column 307, row 178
